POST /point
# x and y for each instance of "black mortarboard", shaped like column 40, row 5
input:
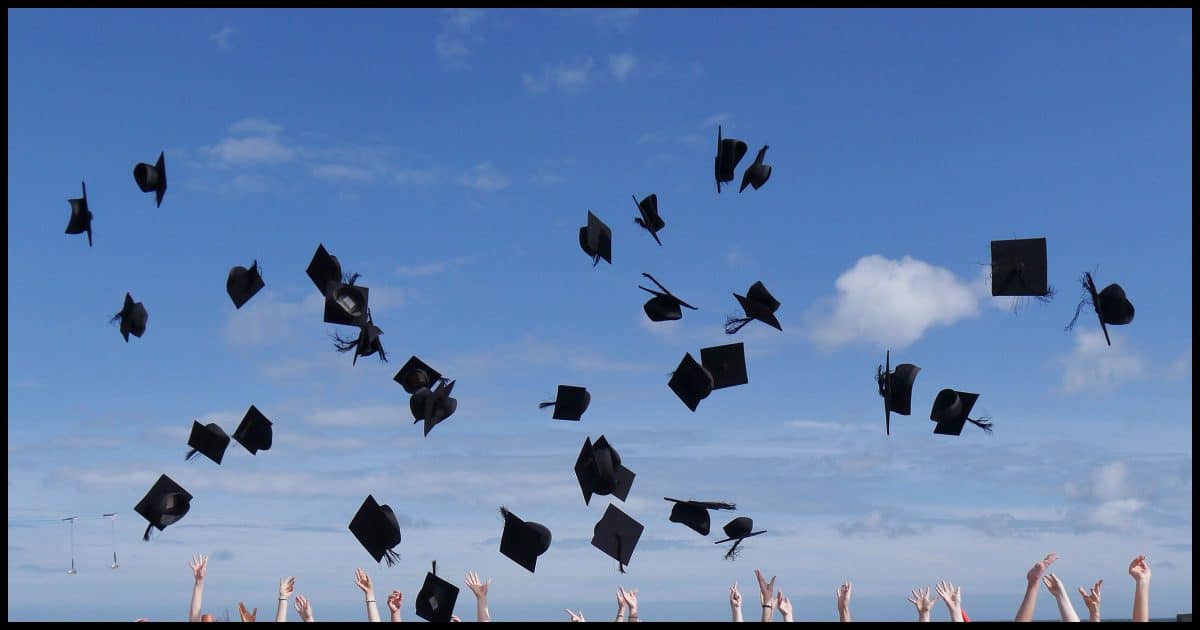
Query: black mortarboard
column 950, row 411
column 434, row 406
column 729, row 153
column 1019, row 268
column 324, row 269
column 133, row 318
column 738, row 530
column 165, row 503
column 209, row 440
column 376, row 528
column 596, row 239
column 152, row 178
column 345, row 304
column 81, row 217
column 1111, row 305
column 435, row 601
column 523, row 541
column 758, row 304
column 663, row 306
column 600, row 471
column 757, row 173
column 570, row 403
column 694, row 514
column 650, row 219
column 243, row 283
column 367, row 342
column 617, row 534
column 254, row 433
column 726, row 364
column 896, row 388
column 415, row 375
column 691, row 382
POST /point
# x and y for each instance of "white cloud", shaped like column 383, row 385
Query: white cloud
column 255, row 126
column 335, row 172
column 736, row 258
column 884, row 522
column 429, row 269
column 252, row 150
column 1095, row 365
column 222, row 37
column 546, row 178
column 1110, row 500
column 382, row 415
column 714, row 120
column 458, row 35
column 1181, row 368
column 825, row 425
column 416, row 176
column 621, row 65
column 246, row 182
column 267, row 320
column 483, row 178
column 569, row 78
column 890, row 302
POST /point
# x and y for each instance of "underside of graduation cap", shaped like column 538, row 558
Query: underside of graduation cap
column 1019, row 268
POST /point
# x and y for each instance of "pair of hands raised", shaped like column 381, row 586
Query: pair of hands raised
column 766, row 595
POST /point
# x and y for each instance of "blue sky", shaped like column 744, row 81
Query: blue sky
column 451, row 156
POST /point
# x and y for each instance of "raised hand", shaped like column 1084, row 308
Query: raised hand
column 394, row 600
column 303, row 608
column 766, row 590
column 921, row 599
column 285, row 586
column 363, row 582
column 735, row 598
column 246, row 615
column 455, row 619
column 479, row 588
column 1039, row 568
column 1054, row 585
column 785, row 605
column 199, row 565
column 630, row 598
column 953, row 597
column 843, row 596
column 1092, row 599
column 575, row 616
column 621, row 605
column 1139, row 570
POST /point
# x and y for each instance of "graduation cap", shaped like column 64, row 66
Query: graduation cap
column 726, row 364
column 950, row 411
column 596, row 240
column 650, row 219
column 433, row 406
column 523, row 541
column 254, row 433
column 729, row 153
column 345, row 303
column 81, row 217
column 617, row 534
column 367, row 342
column 1019, row 268
column 152, row 178
column 415, row 375
column 759, row 304
column 435, row 601
column 165, row 503
column 376, row 528
column 691, row 382
column 663, row 306
column 209, row 440
column 570, row 403
column 323, row 269
column 133, row 318
column 599, row 471
column 1112, row 307
column 694, row 514
column 757, row 173
column 243, row 283
column 896, row 388
column 738, row 530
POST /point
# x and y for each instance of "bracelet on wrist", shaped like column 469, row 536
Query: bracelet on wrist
column 369, row 601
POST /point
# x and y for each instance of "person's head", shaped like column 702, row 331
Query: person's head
column 207, row 617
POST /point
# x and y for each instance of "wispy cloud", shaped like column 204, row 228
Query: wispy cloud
column 415, row 176
column 620, row 65
column 1093, row 365
column 483, row 178
column 1110, row 501
column 458, row 36
column 246, row 182
column 825, row 425
column 379, row 415
column 885, row 522
column 610, row 19
column 255, row 126
column 736, row 258
column 223, row 36
column 259, row 144
column 566, row 77
column 342, row 172
column 1181, row 368
column 890, row 302
column 429, row 269
column 267, row 319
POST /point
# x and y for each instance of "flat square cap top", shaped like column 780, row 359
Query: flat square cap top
column 1019, row 267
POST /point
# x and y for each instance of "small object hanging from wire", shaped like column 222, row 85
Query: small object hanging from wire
column 71, row 519
column 113, row 517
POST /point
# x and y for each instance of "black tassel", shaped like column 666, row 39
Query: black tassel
column 190, row 455
column 342, row 344
column 639, row 221
column 1048, row 297
column 734, row 324
column 146, row 536
column 545, row 404
column 89, row 238
column 351, row 278
column 435, row 568
column 595, row 259
column 1086, row 299
column 733, row 552
column 115, row 318
column 620, row 565
column 721, row 505
column 391, row 557
column 984, row 423
column 382, row 356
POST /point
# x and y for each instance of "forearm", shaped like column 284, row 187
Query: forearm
column 620, row 615
column 768, row 614
column 372, row 609
column 787, row 616
column 633, row 615
column 922, row 616
column 1093, row 614
column 396, row 616
column 197, row 597
column 1065, row 609
column 736, row 611
column 844, row 615
column 281, row 610
column 481, row 609
column 1025, row 612
column 1141, row 602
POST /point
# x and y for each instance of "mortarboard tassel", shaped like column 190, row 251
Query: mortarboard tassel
column 984, row 423
column 190, row 455
column 620, row 565
column 733, row 552
column 1089, row 288
column 342, row 344
column 391, row 557
column 89, row 237
column 146, row 536
column 734, row 324
column 545, row 404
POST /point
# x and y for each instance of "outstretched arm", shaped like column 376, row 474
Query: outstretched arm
column 785, row 606
column 363, row 582
column 924, row 603
column 1092, row 600
column 843, row 601
column 199, row 566
column 285, row 591
column 621, row 606
column 631, row 602
column 394, row 601
column 952, row 595
column 735, row 603
column 1059, row 591
column 1140, row 572
column 1025, row 612
column 304, row 608
column 481, row 591
column 766, row 596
